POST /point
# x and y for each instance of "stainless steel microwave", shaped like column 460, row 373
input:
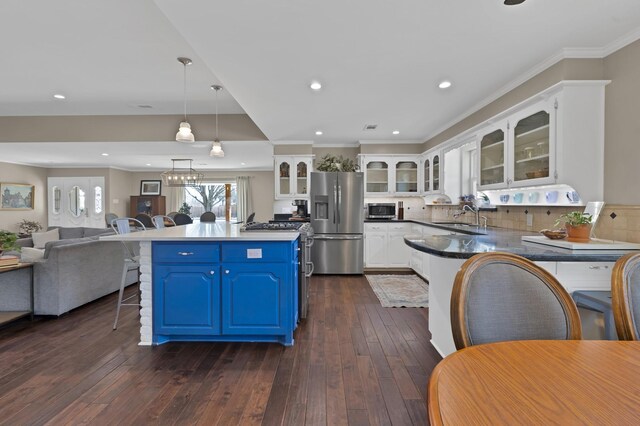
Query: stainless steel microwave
column 381, row 210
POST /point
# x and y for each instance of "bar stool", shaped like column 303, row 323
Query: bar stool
column 132, row 262
column 598, row 301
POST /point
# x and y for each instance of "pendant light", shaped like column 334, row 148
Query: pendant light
column 184, row 133
column 216, row 146
column 181, row 176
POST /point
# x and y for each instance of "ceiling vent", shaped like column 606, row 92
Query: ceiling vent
column 370, row 127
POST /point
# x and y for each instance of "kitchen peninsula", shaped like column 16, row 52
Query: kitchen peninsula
column 574, row 269
column 212, row 282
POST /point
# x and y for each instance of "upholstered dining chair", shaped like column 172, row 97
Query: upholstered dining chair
column 145, row 219
column 158, row 221
column 132, row 260
column 501, row 296
column 172, row 214
column 182, row 219
column 251, row 217
column 110, row 217
column 625, row 296
column 208, row 217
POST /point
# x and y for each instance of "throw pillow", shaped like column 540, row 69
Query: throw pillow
column 40, row 239
column 30, row 254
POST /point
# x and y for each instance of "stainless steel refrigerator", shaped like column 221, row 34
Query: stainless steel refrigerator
column 337, row 219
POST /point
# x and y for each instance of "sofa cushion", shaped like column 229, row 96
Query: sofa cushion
column 92, row 232
column 65, row 242
column 40, row 239
column 30, row 254
column 71, row 233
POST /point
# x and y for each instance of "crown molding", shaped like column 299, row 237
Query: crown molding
column 623, row 41
column 291, row 142
column 337, row 145
column 390, row 141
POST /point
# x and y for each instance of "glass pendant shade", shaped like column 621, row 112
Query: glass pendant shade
column 184, row 133
column 216, row 149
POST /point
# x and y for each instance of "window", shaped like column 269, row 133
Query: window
column 98, row 200
column 219, row 198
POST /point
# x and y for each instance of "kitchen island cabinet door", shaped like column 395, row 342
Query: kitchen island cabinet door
column 190, row 299
column 255, row 300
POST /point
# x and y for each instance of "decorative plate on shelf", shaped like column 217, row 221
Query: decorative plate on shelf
column 375, row 165
column 406, row 165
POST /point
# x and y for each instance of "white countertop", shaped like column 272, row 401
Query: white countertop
column 207, row 231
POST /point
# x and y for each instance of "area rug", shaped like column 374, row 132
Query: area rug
column 395, row 291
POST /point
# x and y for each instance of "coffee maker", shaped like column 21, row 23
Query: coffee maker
column 301, row 209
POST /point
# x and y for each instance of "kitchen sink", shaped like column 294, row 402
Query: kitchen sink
column 455, row 224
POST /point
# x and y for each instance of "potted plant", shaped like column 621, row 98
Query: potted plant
column 28, row 227
column 331, row 163
column 578, row 226
column 8, row 241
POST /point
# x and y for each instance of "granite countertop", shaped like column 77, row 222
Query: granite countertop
column 204, row 231
column 463, row 246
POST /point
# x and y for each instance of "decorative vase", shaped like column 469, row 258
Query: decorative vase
column 578, row 234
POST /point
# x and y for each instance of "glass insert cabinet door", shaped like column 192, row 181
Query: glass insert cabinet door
column 531, row 147
column 285, row 183
column 492, row 147
column 427, row 175
column 406, row 176
column 436, row 172
column 377, row 175
column 301, row 177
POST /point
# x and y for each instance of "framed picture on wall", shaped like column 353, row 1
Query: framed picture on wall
column 17, row 196
column 150, row 187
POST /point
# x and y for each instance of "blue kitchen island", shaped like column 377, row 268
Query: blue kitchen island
column 211, row 282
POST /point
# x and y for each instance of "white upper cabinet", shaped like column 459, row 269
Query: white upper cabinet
column 391, row 175
column 519, row 150
column 432, row 172
column 555, row 137
column 292, row 176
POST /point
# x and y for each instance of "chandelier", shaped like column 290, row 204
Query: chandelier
column 182, row 176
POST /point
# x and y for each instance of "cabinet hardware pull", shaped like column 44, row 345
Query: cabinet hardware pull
column 212, row 272
column 226, row 271
column 599, row 267
column 185, row 253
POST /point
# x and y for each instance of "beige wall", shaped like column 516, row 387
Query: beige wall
column 302, row 149
column 118, row 191
column 37, row 176
column 622, row 126
column 567, row 69
column 118, row 128
column 392, row 148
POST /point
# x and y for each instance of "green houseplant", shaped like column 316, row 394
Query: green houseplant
column 578, row 226
column 331, row 163
column 8, row 241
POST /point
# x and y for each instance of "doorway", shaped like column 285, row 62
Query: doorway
column 76, row 201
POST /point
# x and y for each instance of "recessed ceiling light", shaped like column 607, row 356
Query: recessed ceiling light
column 396, row 132
column 315, row 85
column 59, row 96
column 148, row 164
column 104, row 154
column 444, row 84
column 243, row 164
column 318, row 132
column 145, row 106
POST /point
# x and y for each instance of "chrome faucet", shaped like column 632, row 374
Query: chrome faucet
column 475, row 210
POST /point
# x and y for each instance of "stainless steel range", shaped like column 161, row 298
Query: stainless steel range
column 305, row 268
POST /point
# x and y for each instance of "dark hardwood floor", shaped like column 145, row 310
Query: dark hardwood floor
column 353, row 362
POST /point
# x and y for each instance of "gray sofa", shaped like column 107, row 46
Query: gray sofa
column 76, row 269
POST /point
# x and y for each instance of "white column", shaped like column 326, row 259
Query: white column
column 146, row 311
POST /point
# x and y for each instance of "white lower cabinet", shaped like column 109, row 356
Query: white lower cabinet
column 385, row 246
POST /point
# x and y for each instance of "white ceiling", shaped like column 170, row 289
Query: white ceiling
column 379, row 61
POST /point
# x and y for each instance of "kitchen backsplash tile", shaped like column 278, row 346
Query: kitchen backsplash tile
column 624, row 227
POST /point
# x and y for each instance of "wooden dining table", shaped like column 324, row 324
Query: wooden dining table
column 538, row 382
